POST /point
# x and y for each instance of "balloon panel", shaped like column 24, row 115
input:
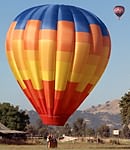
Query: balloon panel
column 57, row 54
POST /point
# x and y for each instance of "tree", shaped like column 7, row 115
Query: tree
column 103, row 131
column 125, row 108
column 67, row 129
column 90, row 132
column 126, row 131
column 31, row 130
column 79, row 127
column 12, row 117
column 42, row 129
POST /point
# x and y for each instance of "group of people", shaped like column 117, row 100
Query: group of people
column 51, row 141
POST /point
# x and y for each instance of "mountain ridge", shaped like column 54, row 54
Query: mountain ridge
column 109, row 106
column 95, row 116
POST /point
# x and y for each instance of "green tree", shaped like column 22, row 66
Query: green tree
column 12, row 117
column 125, row 108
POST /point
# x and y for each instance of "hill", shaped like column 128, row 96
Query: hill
column 111, row 107
column 95, row 116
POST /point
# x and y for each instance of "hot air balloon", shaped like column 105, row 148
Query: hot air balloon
column 57, row 54
column 119, row 10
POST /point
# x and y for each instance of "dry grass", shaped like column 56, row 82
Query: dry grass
column 68, row 146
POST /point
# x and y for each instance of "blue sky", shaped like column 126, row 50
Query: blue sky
column 116, row 79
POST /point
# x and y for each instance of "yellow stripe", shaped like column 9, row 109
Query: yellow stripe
column 14, row 68
column 47, row 55
column 80, row 57
column 85, row 69
column 88, row 72
column 93, row 82
column 31, row 72
column 101, row 67
column 64, row 56
column 62, row 75
column 18, row 52
column 26, row 61
column 86, row 77
column 47, row 75
column 63, row 68
column 31, row 55
column 103, row 61
column 34, row 74
column 95, row 79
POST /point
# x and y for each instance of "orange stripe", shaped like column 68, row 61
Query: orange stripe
column 9, row 36
column 37, row 97
column 57, row 120
column 48, row 35
column 59, row 95
column 83, row 37
column 65, row 35
column 78, row 97
column 85, row 93
column 107, row 42
column 63, row 99
column 18, row 34
column 73, row 103
column 70, row 90
column 29, row 94
column 93, row 60
column 31, row 35
column 49, row 95
column 97, row 39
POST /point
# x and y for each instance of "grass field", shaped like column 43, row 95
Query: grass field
column 67, row 146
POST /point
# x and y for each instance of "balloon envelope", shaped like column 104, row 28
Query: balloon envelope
column 119, row 10
column 57, row 54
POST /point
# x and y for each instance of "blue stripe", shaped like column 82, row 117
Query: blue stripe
column 50, row 18
column 22, row 18
column 49, row 15
column 81, row 23
column 65, row 13
column 93, row 19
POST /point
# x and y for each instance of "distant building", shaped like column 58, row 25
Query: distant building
column 11, row 136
